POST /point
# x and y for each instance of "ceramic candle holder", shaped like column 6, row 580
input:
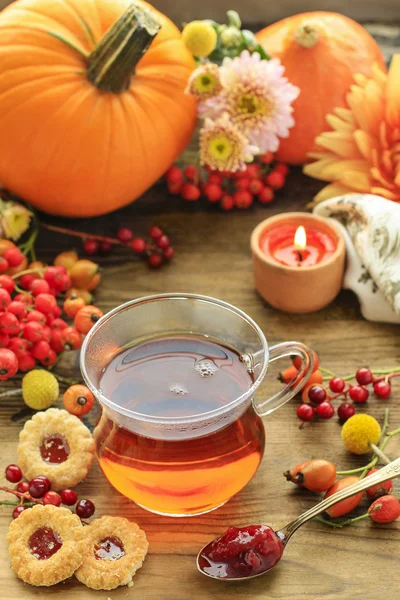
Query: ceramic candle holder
column 298, row 289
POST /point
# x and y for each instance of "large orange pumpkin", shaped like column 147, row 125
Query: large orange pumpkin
column 321, row 52
column 91, row 114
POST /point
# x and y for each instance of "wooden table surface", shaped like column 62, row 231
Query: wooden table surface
column 213, row 258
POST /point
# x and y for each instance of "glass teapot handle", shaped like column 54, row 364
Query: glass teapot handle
column 265, row 407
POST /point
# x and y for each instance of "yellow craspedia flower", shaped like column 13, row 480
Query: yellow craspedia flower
column 40, row 389
column 200, row 38
column 359, row 432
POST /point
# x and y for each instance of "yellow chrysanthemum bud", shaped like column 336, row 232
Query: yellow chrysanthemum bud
column 359, row 432
column 40, row 389
column 200, row 38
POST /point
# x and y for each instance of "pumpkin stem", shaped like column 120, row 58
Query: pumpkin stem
column 307, row 36
column 112, row 62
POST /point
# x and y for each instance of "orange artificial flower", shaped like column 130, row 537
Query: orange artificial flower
column 362, row 152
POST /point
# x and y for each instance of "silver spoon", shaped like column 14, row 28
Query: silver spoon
column 390, row 471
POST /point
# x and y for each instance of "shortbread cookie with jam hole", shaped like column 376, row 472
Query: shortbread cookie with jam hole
column 58, row 445
column 46, row 544
column 115, row 549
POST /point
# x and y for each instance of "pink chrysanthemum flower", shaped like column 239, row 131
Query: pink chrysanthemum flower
column 223, row 147
column 257, row 99
column 204, row 82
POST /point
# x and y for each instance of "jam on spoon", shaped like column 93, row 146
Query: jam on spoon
column 247, row 552
column 44, row 542
column 241, row 552
column 111, row 548
column 54, row 449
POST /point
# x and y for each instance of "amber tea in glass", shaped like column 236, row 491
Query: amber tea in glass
column 179, row 432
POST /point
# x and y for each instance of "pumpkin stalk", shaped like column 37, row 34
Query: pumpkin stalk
column 307, row 36
column 112, row 62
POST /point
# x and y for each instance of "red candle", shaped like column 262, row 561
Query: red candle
column 297, row 246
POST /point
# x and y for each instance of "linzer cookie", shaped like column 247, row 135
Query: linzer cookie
column 57, row 445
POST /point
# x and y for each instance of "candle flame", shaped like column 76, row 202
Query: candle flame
column 300, row 238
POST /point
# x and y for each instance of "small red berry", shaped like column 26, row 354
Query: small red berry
column 3, row 264
column 155, row 232
column 18, row 510
column 38, row 487
column 9, row 324
column 382, row 389
column 50, row 358
column 173, row 175
column 25, row 299
column 125, row 235
column 8, row 364
column 58, row 324
column 266, row 195
column 7, row 283
column 91, row 247
column 63, row 284
column 19, row 346
column 69, row 497
column 85, row 509
column 215, row 178
column 23, row 487
column 40, row 350
column 37, row 317
column 52, row 498
column 169, row 253
column 13, row 473
column 385, row 509
column 26, row 280
column 14, row 256
column 281, row 167
column 17, row 308
column 317, row 394
column 175, row 188
column 358, row 394
column 71, row 338
column 345, row 411
column 190, row 192
column 243, row 199
column 45, row 303
column 267, row 158
column 325, row 410
column 256, row 186
column 191, row 172
column 39, row 286
column 227, row 203
column 337, row 385
column 253, row 170
column 5, row 340
column 5, row 299
column 56, row 341
column 105, row 248
column 381, row 489
column 305, row 412
column 163, row 242
column 275, row 179
column 155, row 260
column 26, row 363
column 364, row 376
column 242, row 184
column 213, row 192
column 138, row 245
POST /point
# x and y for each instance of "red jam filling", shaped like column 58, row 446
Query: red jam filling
column 242, row 552
column 43, row 543
column 111, row 548
column 54, row 449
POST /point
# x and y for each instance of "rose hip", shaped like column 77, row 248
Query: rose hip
column 316, row 475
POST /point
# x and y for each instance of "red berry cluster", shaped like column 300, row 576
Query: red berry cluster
column 38, row 491
column 317, row 399
column 31, row 327
column 258, row 181
column 11, row 258
column 156, row 249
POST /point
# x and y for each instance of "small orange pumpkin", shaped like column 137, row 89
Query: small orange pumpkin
column 321, row 51
column 93, row 107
